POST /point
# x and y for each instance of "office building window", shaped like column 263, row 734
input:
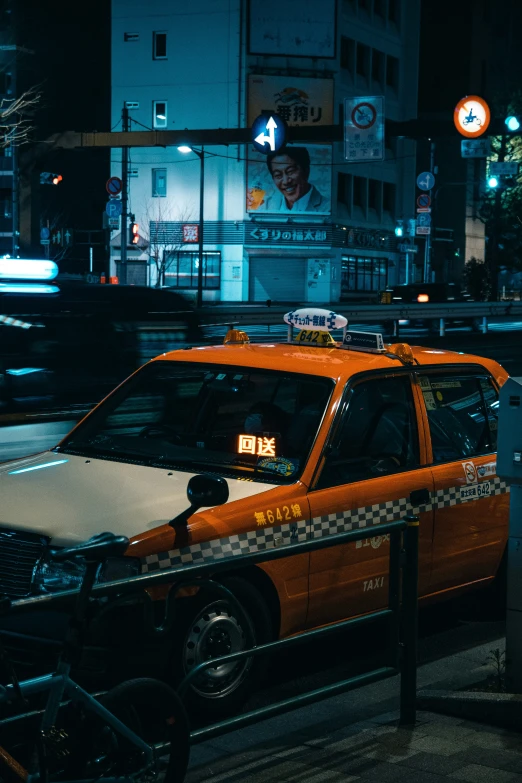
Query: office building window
column 363, row 274
column 182, row 270
column 392, row 73
column 388, row 197
column 379, row 8
column 378, row 65
column 347, row 53
column 159, row 183
column 394, row 11
column 359, row 187
column 344, row 188
column 159, row 46
column 364, row 5
column 159, row 114
column 363, row 60
column 374, row 194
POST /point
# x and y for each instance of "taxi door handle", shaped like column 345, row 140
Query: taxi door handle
column 420, row 497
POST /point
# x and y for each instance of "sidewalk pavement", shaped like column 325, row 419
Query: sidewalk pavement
column 356, row 736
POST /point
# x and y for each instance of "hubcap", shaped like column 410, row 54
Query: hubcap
column 214, row 632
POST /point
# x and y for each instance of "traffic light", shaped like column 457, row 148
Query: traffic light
column 50, row 178
column 493, row 182
column 134, row 236
column 399, row 229
column 513, row 123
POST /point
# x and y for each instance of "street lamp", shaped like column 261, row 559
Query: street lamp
column 185, row 149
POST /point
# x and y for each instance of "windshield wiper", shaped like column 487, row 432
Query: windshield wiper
column 104, row 449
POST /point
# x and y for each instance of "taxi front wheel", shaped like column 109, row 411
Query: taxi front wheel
column 210, row 627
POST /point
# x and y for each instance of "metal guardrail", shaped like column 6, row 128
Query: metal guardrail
column 238, row 315
column 401, row 616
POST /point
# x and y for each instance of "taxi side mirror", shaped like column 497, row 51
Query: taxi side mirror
column 203, row 490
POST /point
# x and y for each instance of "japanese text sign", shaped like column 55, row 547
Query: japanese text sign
column 364, row 129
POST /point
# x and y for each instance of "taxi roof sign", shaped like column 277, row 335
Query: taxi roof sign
column 315, row 318
column 369, row 342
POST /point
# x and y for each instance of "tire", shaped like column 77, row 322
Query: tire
column 209, row 627
column 154, row 712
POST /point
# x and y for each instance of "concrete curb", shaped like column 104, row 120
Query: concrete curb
column 497, row 709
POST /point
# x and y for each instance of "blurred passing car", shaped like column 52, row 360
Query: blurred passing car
column 63, row 347
column 307, row 438
column 429, row 293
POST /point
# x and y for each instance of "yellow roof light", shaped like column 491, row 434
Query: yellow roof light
column 236, row 337
column 423, row 298
column 402, row 351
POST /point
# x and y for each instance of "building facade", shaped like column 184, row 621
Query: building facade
column 219, row 64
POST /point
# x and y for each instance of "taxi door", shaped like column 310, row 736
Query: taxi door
column 371, row 474
column 470, row 502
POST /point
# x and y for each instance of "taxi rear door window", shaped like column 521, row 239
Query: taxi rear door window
column 462, row 415
column 377, row 435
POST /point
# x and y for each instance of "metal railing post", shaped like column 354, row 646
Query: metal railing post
column 394, row 597
column 484, row 324
column 442, row 327
column 409, row 621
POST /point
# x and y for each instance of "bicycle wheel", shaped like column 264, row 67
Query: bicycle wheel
column 153, row 711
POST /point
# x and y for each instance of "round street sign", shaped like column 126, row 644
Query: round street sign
column 269, row 133
column 45, row 232
column 113, row 186
column 423, row 200
column 364, row 115
column 425, row 181
column 113, row 208
column 471, row 116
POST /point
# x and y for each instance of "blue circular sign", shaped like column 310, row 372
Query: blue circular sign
column 269, row 132
column 425, row 181
column 113, row 208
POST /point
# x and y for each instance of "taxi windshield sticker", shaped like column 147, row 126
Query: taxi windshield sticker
column 429, row 399
column 424, row 383
column 446, row 385
column 281, row 465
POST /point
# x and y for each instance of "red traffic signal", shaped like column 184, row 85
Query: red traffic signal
column 134, row 236
column 50, row 178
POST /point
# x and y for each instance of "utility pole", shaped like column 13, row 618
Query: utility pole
column 497, row 216
column 427, row 245
column 124, row 198
column 199, row 298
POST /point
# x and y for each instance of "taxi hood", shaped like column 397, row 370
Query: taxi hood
column 71, row 498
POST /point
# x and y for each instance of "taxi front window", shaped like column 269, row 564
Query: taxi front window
column 236, row 421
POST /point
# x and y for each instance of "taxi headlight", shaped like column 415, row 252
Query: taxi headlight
column 52, row 577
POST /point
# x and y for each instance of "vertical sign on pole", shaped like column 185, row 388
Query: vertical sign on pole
column 364, row 129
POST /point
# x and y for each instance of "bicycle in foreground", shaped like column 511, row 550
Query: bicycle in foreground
column 78, row 737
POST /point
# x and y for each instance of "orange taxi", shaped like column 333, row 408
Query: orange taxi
column 313, row 437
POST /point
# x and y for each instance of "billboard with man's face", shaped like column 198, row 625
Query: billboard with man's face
column 295, row 180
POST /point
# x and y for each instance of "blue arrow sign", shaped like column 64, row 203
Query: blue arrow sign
column 268, row 133
column 113, row 208
column 425, row 181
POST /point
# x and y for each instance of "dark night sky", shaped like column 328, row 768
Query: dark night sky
column 71, row 66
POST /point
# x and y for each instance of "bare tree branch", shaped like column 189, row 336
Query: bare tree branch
column 15, row 117
column 161, row 250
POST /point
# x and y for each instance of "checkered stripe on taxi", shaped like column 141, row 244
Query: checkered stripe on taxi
column 240, row 544
column 329, row 524
column 343, row 521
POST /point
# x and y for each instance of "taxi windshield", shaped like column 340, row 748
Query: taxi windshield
column 237, row 421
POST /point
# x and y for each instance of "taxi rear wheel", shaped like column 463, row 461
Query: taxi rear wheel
column 211, row 627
